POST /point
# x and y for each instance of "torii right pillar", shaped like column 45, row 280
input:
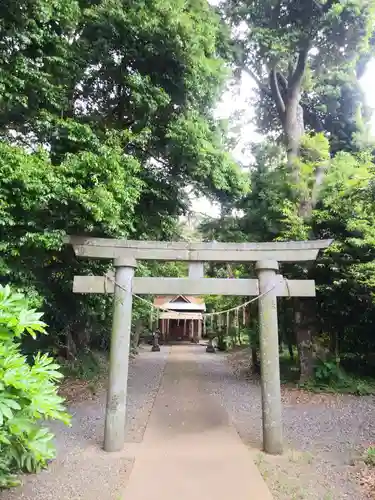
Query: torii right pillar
column 269, row 357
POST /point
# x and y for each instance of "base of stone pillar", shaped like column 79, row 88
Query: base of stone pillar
column 155, row 348
column 210, row 348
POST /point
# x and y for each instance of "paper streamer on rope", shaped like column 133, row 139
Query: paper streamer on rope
column 151, row 319
column 243, row 316
column 227, row 322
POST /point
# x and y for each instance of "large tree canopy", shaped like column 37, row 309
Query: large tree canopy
column 106, row 119
column 150, row 68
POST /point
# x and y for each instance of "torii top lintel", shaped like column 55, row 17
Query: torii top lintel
column 105, row 248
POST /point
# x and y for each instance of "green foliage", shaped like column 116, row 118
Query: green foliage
column 87, row 366
column 327, row 372
column 274, row 35
column 344, row 273
column 330, row 377
column 369, row 456
column 28, row 393
column 106, row 119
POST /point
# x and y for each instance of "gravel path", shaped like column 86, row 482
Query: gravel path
column 82, row 471
column 322, row 435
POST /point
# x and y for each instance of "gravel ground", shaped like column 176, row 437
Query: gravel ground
column 323, row 434
column 82, row 471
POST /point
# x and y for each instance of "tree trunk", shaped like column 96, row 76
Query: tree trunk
column 291, row 353
column 288, row 327
column 294, row 130
column 135, row 337
column 286, row 93
column 304, row 314
column 304, row 326
column 71, row 348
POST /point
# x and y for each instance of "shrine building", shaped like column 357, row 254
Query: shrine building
column 181, row 317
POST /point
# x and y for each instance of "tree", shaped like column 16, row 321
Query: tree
column 284, row 44
column 120, row 65
column 295, row 51
column 106, row 118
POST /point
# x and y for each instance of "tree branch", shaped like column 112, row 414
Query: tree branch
column 282, row 81
column 262, row 87
column 295, row 81
column 276, row 94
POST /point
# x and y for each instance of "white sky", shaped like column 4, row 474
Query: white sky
column 239, row 102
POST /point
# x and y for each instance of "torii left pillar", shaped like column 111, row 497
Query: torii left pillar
column 115, row 417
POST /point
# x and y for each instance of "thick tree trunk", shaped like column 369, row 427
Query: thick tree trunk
column 291, row 353
column 294, row 129
column 286, row 93
column 304, row 328
column 288, row 336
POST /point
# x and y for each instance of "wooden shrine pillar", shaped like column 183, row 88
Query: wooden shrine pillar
column 115, row 416
column 195, row 330
column 269, row 357
column 199, row 329
column 162, row 329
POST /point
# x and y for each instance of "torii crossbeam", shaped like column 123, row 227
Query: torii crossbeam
column 268, row 286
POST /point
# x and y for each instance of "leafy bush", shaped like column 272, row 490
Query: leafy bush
column 332, row 378
column 87, row 365
column 327, row 372
column 28, row 393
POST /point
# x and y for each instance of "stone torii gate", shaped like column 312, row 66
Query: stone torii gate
column 269, row 286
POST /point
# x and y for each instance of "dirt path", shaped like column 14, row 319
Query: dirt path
column 190, row 449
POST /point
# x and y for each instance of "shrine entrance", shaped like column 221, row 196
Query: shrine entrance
column 266, row 288
column 180, row 317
